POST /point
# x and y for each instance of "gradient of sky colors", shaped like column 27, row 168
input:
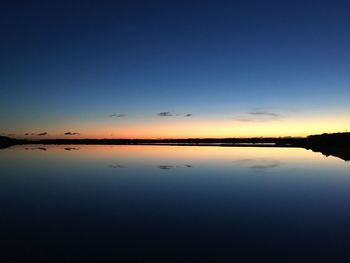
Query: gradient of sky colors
column 159, row 69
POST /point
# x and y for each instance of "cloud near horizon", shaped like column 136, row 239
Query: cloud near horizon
column 170, row 114
column 265, row 114
column 165, row 114
column 259, row 116
column 71, row 133
column 37, row 134
column 244, row 119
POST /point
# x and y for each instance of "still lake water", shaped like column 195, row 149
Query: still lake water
column 173, row 203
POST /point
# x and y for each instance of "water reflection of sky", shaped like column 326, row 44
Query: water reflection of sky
column 220, row 197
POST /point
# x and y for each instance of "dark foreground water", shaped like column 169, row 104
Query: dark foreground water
column 168, row 203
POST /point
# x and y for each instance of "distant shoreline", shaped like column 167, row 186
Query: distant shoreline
column 335, row 144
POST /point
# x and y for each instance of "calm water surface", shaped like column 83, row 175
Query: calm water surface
column 170, row 203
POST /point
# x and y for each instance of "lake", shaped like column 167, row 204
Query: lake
column 173, row 204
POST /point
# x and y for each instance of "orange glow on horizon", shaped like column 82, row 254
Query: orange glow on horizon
column 297, row 127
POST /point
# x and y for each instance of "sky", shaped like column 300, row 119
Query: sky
column 174, row 69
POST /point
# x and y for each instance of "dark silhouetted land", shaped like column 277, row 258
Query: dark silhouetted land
column 335, row 144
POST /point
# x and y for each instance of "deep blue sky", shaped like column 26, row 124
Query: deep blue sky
column 69, row 65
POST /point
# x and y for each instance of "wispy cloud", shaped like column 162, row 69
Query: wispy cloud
column 71, row 133
column 165, row 114
column 114, row 115
column 170, row 114
column 244, row 119
column 36, row 134
column 265, row 114
column 259, row 115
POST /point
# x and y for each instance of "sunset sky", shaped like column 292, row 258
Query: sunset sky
column 160, row 69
